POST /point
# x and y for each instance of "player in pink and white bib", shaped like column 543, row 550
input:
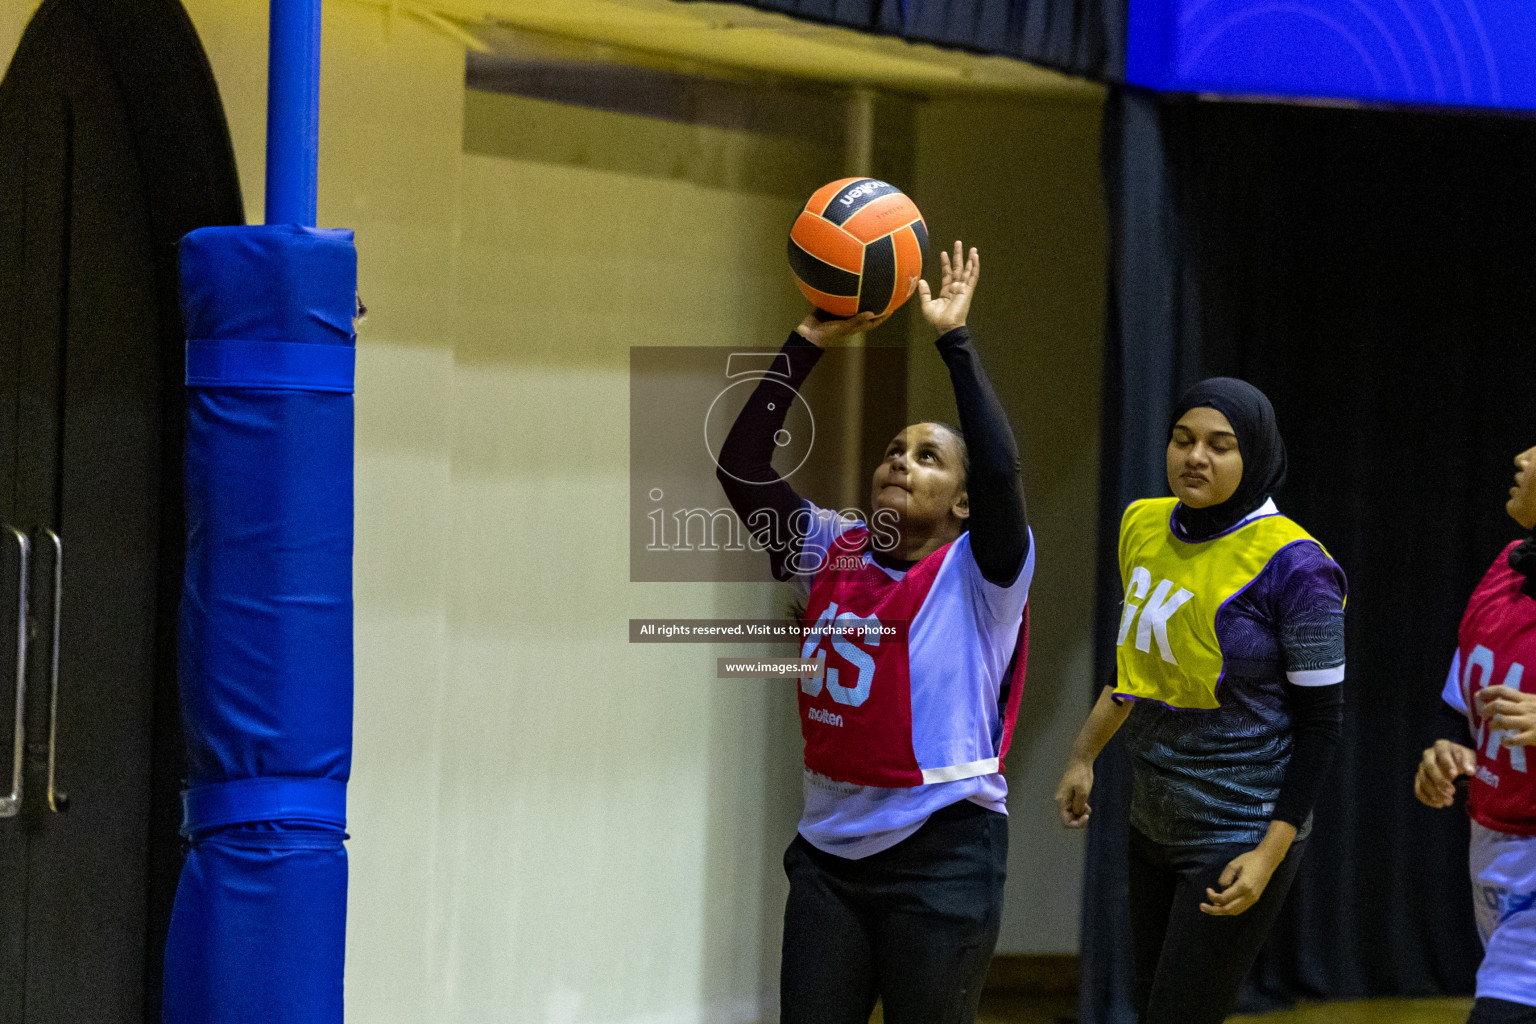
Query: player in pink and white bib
column 896, row 875
column 1488, row 684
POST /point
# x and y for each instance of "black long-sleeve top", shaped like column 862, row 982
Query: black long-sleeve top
column 1264, row 755
column 768, row 505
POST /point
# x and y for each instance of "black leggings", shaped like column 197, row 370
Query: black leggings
column 914, row 925
column 1189, row 965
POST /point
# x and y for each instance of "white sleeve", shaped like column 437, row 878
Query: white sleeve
column 822, row 527
column 1002, row 603
column 1315, row 676
column 1451, row 692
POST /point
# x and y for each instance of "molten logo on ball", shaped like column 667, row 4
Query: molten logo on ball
column 870, row 188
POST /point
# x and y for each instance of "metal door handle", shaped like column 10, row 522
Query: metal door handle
column 58, row 800
column 10, row 805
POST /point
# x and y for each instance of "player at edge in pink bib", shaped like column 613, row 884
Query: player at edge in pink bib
column 1488, row 684
column 896, row 873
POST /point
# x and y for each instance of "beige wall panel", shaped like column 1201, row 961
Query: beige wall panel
column 1021, row 182
column 650, row 801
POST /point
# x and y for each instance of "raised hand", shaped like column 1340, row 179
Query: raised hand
column 822, row 333
column 948, row 309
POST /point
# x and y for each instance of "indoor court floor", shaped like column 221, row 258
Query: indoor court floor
column 1063, row 1010
column 1370, row 1011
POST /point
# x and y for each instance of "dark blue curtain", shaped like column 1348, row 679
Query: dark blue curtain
column 1371, row 271
column 1080, row 37
column 1149, row 359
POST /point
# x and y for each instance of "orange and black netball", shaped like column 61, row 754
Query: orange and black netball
column 858, row 247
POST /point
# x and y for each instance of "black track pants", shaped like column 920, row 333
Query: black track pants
column 1189, row 965
column 914, row 925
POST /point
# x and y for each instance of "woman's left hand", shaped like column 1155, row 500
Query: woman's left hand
column 1508, row 709
column 1242, row 881
column 948, row 309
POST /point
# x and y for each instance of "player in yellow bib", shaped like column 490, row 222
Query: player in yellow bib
column 1167, row 648
column 1229, row 657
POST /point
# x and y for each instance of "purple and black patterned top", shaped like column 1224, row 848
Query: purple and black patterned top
column 1217, row 776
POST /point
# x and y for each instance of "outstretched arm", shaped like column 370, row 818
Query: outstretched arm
column 762, row 498
column 999, row 526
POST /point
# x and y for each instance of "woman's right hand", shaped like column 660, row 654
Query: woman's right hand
column 821, row 332
column 1441, row 765
column 1072, row 794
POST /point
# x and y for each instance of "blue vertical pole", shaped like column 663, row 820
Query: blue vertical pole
column 258, row 932
column 293, row 111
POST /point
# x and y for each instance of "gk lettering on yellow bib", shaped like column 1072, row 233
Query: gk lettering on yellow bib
column 1167, row 648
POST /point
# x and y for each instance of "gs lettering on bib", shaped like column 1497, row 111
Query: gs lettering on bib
column 1167, row 649
column 1496, row 643
column 857, row 719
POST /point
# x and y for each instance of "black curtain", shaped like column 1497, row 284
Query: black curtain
column 1374, row 273
column 1080, row 37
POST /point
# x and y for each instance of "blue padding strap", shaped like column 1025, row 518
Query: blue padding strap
column 320, row 801
column 279, row 365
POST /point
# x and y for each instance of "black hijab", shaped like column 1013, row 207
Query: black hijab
column 1258, row 440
